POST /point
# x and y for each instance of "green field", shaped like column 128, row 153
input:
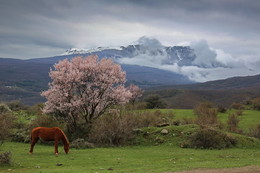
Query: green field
column 160, row 158
column 248, row 119
column 155, row 153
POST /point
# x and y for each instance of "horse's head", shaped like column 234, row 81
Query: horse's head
column 67, row 148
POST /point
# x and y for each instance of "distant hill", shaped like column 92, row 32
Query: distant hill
column 240, row 82
column 25, row 79
column 220, row 92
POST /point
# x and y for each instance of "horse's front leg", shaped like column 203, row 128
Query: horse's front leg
column 56, row 144
column 33, row 142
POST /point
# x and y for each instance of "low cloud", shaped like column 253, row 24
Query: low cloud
column 205, row 56
column 151, row 43
column 209, row 64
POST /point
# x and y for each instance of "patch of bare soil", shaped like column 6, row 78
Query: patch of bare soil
column 247, row 169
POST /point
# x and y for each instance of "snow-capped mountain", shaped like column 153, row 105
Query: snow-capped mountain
column 135, row 54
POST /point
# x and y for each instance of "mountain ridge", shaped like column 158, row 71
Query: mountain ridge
column 25, row 79
column 221, row 93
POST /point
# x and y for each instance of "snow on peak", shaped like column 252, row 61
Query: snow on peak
column 72, row 51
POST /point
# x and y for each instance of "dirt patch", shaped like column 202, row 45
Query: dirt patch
column 247, row 169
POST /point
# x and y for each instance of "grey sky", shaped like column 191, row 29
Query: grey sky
column 42, row 28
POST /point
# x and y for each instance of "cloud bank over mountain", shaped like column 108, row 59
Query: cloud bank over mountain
column 208, row 63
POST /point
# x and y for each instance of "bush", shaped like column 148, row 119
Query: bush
column 233, row 123
column 157, row 118
column 45, row 121
column 209, row 138
column 35, row 109
column 6, row 124
column 239, row 113
column 255, row 131
column 206, row 114
column 187, row 120
column 112, row 129
column 81, row 144
column 23, row 134
column 118, row 128
column 5, row 158
column 222, row 109
column 16, row 106
column 238, row 106
column 4, row 108
column 256, row 103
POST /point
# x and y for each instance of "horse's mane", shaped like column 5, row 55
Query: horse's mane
column 64, row 137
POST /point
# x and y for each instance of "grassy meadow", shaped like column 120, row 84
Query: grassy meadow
column 248, row 119
column 161, row 158
column 155, row 153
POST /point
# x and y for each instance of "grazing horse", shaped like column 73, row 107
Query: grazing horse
column 49, row 134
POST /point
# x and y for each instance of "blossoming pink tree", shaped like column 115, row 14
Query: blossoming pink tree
column 83, row 88
column 136, row 92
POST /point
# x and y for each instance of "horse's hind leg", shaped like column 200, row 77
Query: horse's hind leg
column 33, row 142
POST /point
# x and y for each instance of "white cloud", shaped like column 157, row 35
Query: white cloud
column 210, row 63
column 206, row 57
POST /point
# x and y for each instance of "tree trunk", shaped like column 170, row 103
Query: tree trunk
column 79, row 131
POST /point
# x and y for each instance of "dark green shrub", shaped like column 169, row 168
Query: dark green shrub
column 5, row 158
column 154, row 101
column 209, row 138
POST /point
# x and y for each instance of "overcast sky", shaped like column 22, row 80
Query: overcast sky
column 42, row 28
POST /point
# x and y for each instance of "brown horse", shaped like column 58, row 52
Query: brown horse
column 49, row 134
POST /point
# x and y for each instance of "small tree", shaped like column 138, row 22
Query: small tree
column 82, row 89
column 136, row 92
column 256, row 103
column 154, row 101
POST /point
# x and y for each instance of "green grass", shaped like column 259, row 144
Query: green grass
column 155, row 152
column 135, row 159
column 249, row 119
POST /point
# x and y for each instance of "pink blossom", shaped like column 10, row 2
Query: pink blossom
column 86, row 87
